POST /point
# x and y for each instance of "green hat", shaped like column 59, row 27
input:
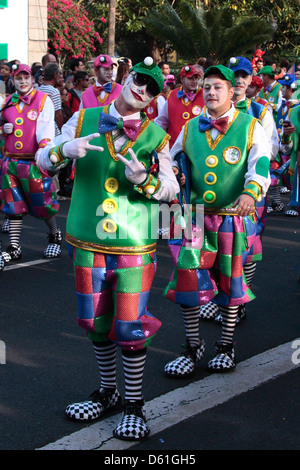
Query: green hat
column 227, row 73
column 267, row 70
column 148, row 67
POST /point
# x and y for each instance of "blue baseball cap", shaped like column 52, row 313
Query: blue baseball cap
column 240, row 63
column 287, row 80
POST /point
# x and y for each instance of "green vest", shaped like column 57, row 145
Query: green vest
column 295, row 120
column 218, row 167
column 271, row 97
column 107, row 213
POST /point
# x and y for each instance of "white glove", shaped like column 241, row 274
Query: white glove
column 79, row 147
column 134, row 170
column 8, row 128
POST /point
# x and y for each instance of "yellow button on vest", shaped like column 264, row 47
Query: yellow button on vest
column 211, row 161
column 109, row 206
column 18, row 145
column 209, row 197
column 111, row 185
column 19, row 121
column 18, row 133
column 109, row 226
column 210, row 178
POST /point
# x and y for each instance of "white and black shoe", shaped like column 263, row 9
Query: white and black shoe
column 2, row 262
column 208, row 311
column 12, row 253
column 132, row 426
column 184, row 365
column 101, row 403
column 53, row 249
column 224, row 361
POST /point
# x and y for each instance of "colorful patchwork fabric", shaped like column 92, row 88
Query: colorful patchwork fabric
column 27, row 189
column 255, row 252
column 112, row 293
column 214, row 269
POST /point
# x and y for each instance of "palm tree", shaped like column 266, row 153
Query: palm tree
column 217, row 32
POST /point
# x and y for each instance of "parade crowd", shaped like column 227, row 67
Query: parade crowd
column 222, row 141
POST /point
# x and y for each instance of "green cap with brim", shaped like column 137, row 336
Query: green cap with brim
column 148, row 67
column 227, row 73
column 267, row 70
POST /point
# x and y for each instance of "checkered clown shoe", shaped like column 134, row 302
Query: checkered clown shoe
column 53, row 249
column 184, row 365
column 209, row 311
column 101, row 403
column 12, row 253
column 132, row 426
column 2, row 263
column 224, row 360
column 5, row 226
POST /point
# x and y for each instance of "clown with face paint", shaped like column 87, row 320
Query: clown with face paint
column 114, row 260
column 105, row 90
column 27, row 118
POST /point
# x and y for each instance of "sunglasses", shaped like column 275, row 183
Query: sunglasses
column 140, row 79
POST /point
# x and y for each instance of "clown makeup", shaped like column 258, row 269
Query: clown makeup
column 23, row 83
column 217, row 95
column 136, row 91
column 242, row 81
column 104, row 74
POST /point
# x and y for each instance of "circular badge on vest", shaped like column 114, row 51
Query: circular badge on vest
column 109, row 205
column 280, row 121
column 211, row 161
column 32, row 115
column 209, row 197
column 109, row 226
column 271, row 99
column 19, row 121
column 111, row 185
column 232, row 155
column 150, row 110
column 185, row 115
column 210, row 178
column 196, row 110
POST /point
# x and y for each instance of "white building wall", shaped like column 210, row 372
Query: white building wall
column 14, row 29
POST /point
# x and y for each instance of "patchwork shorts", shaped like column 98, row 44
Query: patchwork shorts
column 112, row 294
column 214, row 268
column 27, row 189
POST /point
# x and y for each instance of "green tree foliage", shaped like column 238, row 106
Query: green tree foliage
column 215, row 32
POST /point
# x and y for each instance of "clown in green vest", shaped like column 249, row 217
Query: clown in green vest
column 225, row 156
column 271, row 90
column 123, row 170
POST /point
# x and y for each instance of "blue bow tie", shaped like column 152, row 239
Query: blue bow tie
column 220, row 124
column 191, row 96
column 107, row 87
column 108, row 123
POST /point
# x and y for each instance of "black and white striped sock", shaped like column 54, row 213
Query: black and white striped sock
column 191, row 323
column 229, row 316
column 275, row 192
column 15, row 228
column 133, row 365
column 106, row 360
column 249, row 270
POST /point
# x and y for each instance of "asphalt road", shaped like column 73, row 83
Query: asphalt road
column 49, row 362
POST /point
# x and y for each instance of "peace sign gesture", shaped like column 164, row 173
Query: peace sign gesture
column 78, row 148
column 134, row 169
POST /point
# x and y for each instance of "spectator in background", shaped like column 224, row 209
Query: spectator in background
column 6, row 71
column 81, row 83
column 52, row 77
column 165, row 68
column 123, row 70
column 45, row 60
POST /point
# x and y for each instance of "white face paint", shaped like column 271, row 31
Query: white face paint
column 135, row 96
column 104, row 74
column 23, row 83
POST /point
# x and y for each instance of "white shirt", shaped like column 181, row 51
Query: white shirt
column 260, row 147
column 169, row 186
